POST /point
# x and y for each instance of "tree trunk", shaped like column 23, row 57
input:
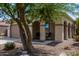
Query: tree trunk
column 29, row 37
column 26, row 29
column 22, row 34
column 23, row 37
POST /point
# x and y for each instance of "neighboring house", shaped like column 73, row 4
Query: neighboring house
column 15, row 31
column 4, row 29
column 61, row 29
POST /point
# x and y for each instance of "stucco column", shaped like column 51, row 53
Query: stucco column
column 42, row 31
column 59, row 32
column 8, row 31
column 67, row 32
column 70, row 32
column 73, row 30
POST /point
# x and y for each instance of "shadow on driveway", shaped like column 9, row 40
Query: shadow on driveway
column 54, row 43
column 76, row 44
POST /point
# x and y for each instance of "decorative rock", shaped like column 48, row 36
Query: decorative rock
column 24, row 52
column 63, row 54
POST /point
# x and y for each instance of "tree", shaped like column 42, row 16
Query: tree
column 17, row 13
column 77, row 24
column 76, row 13
column 49, row 12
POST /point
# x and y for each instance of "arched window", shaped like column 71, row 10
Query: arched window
column 68, row 30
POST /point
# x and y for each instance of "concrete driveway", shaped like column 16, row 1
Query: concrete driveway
column 4, row 40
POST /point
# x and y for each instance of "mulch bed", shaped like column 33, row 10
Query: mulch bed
column 14, row 52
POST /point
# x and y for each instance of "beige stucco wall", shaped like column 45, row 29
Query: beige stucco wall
column 15, row 31
column 3, row 29
column 59, row 33
column 42, row 31
column 59, row 29
column 71, row 23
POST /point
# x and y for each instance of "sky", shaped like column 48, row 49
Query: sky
column 71, row 15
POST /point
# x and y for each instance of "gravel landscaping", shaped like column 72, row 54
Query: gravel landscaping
column 67, row 47
column 46, row 48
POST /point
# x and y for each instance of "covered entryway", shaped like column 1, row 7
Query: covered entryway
column 36, row 30
column 50, row 31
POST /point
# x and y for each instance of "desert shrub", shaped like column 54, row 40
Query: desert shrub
column 9, row 46
column 76, row 37
column 67, row 48
column 73, row 54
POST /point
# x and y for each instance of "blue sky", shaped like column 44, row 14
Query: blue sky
column 71, row 15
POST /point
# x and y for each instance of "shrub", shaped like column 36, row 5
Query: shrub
column 76, row 37
column 9, row 46
column 67, row 48
column 73, row 54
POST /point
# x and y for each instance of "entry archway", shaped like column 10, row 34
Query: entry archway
column 69, row 31
column 36, row 30
column 65, row 30
column 50, row 31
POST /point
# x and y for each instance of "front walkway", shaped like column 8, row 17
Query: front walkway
column 47, row 42
column 55, row 48
column 4, row 40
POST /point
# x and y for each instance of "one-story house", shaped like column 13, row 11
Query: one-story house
column 59, row 30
